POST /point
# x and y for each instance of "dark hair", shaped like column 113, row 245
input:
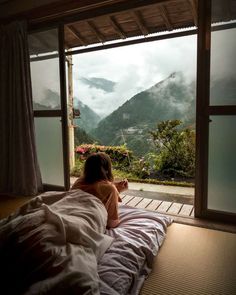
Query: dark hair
column 97, row 167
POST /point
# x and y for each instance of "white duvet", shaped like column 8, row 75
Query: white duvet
column 58, row 244
column 53, row 249
column 128, row 261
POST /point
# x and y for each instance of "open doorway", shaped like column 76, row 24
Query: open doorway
column 137, row 103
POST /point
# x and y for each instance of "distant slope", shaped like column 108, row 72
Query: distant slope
column 82, row 137
column 88, row 119
column 169, row 99
column 99, row 83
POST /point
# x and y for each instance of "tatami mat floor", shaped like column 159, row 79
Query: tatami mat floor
column 194, row 261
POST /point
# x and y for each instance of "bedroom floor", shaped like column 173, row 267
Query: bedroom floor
column 10, row 204
column 194, row 261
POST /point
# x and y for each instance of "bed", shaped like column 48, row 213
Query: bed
column 58, row 244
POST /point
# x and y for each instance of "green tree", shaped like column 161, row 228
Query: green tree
column 81, row 137
column 175, row 149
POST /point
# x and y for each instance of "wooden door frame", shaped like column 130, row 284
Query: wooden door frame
column 59, row 113
column 203, row 112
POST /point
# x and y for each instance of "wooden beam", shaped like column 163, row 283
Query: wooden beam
column 137, row 41
column 193, row 6
column 95, row 31
column 229, row 110
column 76, row 34
column 38, row 19
column 116, row 27
column 165, row 17
column 67, row 45
column 138, row 19
column 44, row 42
column 226, row 7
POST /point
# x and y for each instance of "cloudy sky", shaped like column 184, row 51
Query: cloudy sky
column 134, row 68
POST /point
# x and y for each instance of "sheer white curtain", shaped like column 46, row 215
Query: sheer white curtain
column 19, row 169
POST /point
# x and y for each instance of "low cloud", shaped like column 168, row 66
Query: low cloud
column 134, row 68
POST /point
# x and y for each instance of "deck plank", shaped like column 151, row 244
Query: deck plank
column 134, row 201
column 175, row 208
column 144, row 203
column 126, row 199
column 186, row 210
column 164, row 206
column 153, row 205
column 167, row 207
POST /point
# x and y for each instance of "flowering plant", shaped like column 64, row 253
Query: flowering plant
column 120, row 155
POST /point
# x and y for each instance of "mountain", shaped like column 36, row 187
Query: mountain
column 172, row 98
column 82, row 137
column 99, row 83
column 50, row 100
column 88, row 119
column 222, row 91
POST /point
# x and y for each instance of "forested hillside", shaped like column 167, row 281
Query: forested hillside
column 169, row 99
column 88, row 119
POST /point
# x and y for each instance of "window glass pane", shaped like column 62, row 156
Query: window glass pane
column 43, row 43
column 49, row 150
column 45, row 73
column 223, row 48
column 222, row 164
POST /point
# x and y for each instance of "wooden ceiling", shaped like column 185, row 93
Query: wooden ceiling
column 93, row 22
column 160, row 16
column 129, row 18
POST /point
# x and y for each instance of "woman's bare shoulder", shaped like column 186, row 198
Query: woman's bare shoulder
column 76, row 184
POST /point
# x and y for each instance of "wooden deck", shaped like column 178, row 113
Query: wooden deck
column 172, row 208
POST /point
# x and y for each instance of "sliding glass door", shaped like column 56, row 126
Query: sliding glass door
column 222, row 104
column 216, row 112
column 49, row 104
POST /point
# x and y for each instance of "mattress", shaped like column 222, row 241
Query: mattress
column 58, row 244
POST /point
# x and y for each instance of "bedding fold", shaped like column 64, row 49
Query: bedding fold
column 58, row 244
column 53, row 247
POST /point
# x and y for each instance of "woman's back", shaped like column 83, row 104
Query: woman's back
column 107, row 192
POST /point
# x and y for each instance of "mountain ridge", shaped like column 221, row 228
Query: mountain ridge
column 170, row 98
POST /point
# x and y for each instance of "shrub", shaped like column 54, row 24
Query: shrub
column 140, row 168
column 120, row 155
column 175, row 149
column 77, row 169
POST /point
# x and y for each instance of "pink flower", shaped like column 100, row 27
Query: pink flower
column 80, row 150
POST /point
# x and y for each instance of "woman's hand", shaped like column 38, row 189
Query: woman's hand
column 121, row 185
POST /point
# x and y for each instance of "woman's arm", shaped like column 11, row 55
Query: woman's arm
column 112, row 206
column 121, row 185
column 112, row 223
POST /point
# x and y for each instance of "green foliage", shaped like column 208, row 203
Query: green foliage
column 82, row 137
column 173, row 155
column 140, row 168
column 121, row 174
column 175, row 149
column 162, row 182
column 78, row 168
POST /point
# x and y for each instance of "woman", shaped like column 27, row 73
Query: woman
column 97, row 179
